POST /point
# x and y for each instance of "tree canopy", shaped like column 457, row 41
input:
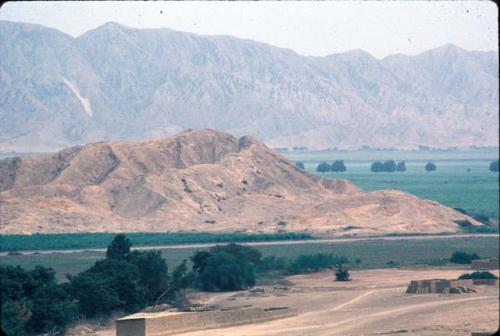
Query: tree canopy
column 430, row 166
column 323, row 167
column 401, row 166
column 33, row 302
column 460, row 257
column 338, row 166
column 494, row 166
column 119, row 247
column 228, row 267
column 388, row 166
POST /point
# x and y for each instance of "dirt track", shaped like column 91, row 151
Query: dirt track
column 373, row 303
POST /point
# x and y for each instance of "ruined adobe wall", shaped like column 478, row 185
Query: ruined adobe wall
column 169, row 324
column 462, row 283
column 488, row 282
column 485, row 264
column 428, row 286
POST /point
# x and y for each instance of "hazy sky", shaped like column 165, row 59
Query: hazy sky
column 310, row 28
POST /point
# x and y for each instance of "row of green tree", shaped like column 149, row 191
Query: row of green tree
column 101, row 239
column 33, row 302
column 388, row 166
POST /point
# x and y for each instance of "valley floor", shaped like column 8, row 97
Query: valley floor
column 373, row 303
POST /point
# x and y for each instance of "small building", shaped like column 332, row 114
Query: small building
column 170, row 323
column 485, row 264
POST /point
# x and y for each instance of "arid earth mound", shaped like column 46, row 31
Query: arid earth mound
column 201, row 180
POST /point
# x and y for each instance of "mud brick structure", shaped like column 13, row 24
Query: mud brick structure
column 170, row 323
column 485, row 264
column 441, row 286
column 428, row 286
column 488, row 282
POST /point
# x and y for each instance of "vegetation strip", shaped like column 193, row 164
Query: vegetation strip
column 101, row 240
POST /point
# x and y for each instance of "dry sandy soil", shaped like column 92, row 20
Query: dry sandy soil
column 373, row 303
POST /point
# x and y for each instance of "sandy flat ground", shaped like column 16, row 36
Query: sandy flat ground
column 373, row 303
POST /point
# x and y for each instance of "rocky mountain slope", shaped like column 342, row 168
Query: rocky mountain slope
column 116, row 82
column 201, row 180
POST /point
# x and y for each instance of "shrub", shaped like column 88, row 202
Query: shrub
column 341, row 273
column 460, row 257
column 477, row 275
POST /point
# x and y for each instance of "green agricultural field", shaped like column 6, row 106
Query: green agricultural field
column 462, row 179
column 60, row 241
column 372, row 253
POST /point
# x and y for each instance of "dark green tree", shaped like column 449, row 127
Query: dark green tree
column 377, row 167
column 226, row 267
column 153, row 272
column 430, row 167
column 180, row 278
column 52, row 309
column 323, row 167
column 338, row 166
column 119, row 247
column 494, row 166
column 460, row 257
column 199, row 260
column 39, row 302
column 109, row 284
column 241, row 252
column 15, row 316
column 389, row 166
column 401, row 166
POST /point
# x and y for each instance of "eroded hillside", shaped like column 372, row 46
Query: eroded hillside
column 201, row 180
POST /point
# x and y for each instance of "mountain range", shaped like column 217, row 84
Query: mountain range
column 117, row 82
column 199, row 180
